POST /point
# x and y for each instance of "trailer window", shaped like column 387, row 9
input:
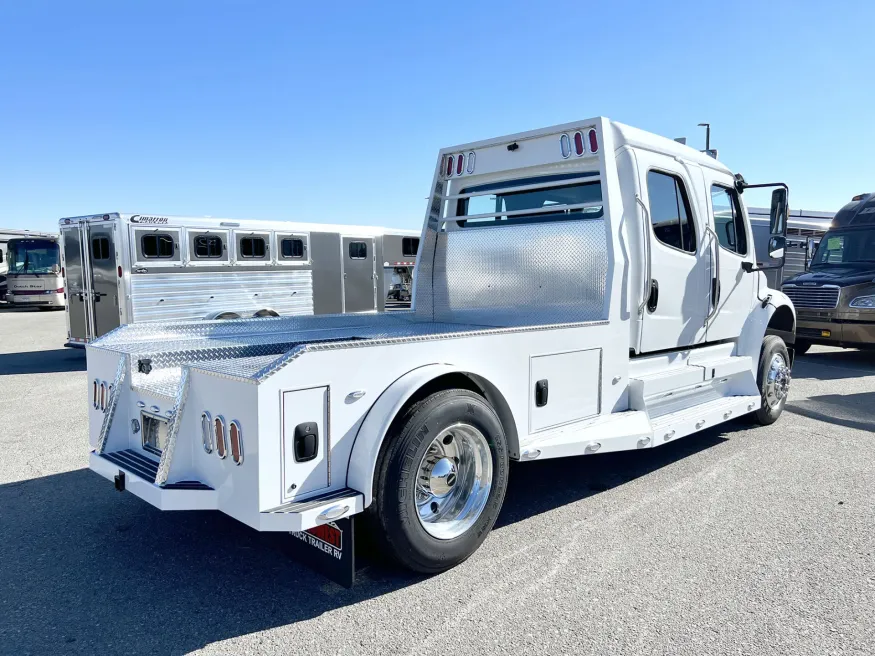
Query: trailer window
column 728, row 220
column 358, row 250
column 208, row 246
column 157, row 246
column 409, row 246
column 292, row 248
column 559, row 198
column 670, row 213
column 252, row 247
column 100, row 248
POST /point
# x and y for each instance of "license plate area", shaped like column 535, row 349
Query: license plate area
column 154, row 433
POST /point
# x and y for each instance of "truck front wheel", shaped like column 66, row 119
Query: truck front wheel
column 440, row 481
column 773, row 379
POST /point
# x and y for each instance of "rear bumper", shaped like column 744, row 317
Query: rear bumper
column 836, row 332
column 298, row 516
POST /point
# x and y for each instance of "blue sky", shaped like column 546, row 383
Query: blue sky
column 335, row 111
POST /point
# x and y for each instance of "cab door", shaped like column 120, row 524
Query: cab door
column 731, row 289
column 676, row 300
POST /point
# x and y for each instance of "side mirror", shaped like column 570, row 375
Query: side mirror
column 778, row 213
column 776, row 247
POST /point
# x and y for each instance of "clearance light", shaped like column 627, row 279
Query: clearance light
column 94, row 397
column 826, row 333
column 470, row 163
column 219, row 425
column 207, row 432
column 450, row 163
column 859, row 197
column 236, row 435
column 565, row 146
column 578, row 144
column 103, row 396
column 460, row 164
column 119, row 272
column 593, row 142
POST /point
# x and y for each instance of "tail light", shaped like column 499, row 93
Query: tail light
column 59, row 291
column 219, row 431
column 103, row 396
column 119, row 272
column 94, row 398
column 236, row 435
column 578, row 143
column 460, row 164
column 593, row 142
column 565, row 146
column 450, row 162
column 207, row 432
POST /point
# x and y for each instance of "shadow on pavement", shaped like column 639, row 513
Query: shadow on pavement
column 88, row 570
column 850, row 410
column 42, row 362
column 835, row 365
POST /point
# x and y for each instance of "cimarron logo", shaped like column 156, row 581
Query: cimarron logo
column 137, row 218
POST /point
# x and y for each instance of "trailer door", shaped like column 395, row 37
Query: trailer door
column 104, row 278
column 359, row 274
column 74, row 283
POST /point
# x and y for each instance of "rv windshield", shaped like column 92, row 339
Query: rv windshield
column 846, row 247
column 34, row 256
column 570, row 190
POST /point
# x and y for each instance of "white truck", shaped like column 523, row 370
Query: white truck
column 614, row 304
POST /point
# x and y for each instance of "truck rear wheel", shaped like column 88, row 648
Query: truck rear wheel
column 440, row 481
column 773, row 379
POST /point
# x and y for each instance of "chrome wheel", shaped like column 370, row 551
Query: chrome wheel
column 777, row 380
column 454, row 479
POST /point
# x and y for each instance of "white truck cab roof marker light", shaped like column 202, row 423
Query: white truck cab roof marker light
column 471, row 160
column 593, row 142
column 579, row 150
column 221, row 448
column 235, row 433
column 207, row 431
column 565, row 146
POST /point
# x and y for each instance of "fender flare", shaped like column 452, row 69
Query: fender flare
column 372, row 432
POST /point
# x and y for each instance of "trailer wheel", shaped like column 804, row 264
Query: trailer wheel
column 773, row 379
column 440, row 481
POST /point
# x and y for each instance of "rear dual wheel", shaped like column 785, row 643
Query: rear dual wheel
column 440, row 481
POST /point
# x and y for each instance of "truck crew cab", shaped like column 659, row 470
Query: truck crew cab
column 836, row 295
column 580, row 289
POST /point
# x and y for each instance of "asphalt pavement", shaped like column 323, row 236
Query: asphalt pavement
column 739, row 540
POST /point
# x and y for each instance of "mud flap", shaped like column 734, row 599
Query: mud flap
column 328, row 549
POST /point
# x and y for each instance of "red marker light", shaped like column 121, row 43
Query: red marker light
column 450, row 166
column 578, row 143
column 593, row 142
column 460, row 165
column 119, row 272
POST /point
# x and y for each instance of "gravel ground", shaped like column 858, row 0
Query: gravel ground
column 740, row 540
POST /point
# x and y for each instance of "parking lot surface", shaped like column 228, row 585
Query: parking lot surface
column 740, row 540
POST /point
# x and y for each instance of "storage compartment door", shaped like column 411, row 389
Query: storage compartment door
column 359, row 273
column 305, row 413
column 564, row 387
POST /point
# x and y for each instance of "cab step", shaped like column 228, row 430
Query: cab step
column 674, row 425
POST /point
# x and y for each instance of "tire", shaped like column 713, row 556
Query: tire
column 418, row 488
column 773, row 379
column 801, row 347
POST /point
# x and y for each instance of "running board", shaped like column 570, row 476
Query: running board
column 315, row 511
column 678, row 424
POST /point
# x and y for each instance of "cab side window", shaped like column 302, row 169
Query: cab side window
column 670, row 212
column 728, row 220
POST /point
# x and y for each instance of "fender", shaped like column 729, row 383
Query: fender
column 372, row 432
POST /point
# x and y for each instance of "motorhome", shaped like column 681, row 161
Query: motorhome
column 5, row 236
column 805, row 229
column 131, row 268
column 576, row 293
column 34, row 277
column 835, row 294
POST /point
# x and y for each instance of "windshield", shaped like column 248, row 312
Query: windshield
column 34, row 256
column 845, row 247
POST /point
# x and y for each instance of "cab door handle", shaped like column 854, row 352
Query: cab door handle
column 653, row 299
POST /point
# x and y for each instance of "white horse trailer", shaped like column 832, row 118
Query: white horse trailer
column 132, row 268
column 575, row 294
